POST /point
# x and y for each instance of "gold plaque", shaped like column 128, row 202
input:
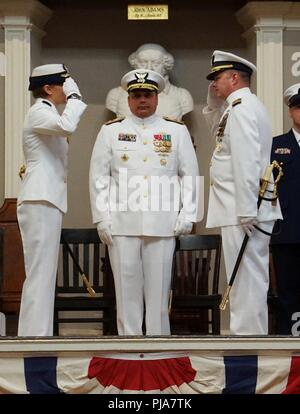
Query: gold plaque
column 148, row 12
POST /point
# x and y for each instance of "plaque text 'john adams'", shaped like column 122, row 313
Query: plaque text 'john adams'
column 148, row 12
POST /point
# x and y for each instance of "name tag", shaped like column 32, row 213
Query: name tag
column 282, row 151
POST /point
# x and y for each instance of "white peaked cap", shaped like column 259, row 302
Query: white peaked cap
column 143, row 79
column 224, row 60
column 291, row 95
column 52, row 74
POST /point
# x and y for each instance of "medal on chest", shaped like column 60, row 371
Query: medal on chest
column 162, row 144
column 220, row 132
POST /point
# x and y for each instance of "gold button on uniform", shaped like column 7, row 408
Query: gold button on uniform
column 146, row 177
column 163, row 161
column 145, row 142
column 125, row 157
column 145, row 159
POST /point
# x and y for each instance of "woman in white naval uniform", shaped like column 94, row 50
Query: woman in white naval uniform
column 42, row 199
column 242, row 153
column 136, row 218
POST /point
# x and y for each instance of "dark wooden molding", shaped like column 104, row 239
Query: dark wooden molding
column 13, row 272
column 8, row 211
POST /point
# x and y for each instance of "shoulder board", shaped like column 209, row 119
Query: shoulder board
column 173, row 120
column 112, row 121
column 47, row 103
column 237, row 102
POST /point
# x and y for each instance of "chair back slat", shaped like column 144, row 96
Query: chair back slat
column 75, row 270
column 86, row 259
column 96, row 265
column 65, row 260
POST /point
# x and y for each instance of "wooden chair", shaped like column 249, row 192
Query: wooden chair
column 196, row 268
column 71, row 294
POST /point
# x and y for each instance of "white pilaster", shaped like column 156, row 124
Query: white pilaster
column 264, row 22
column 269, row 62
column 19, row 18
column 17, row 98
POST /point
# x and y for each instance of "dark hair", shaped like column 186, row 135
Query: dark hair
column 39, row 93
column 245, row 76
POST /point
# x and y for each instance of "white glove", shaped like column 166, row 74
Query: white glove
column 248, row 224
column 182, row 227
column 104, row 231
column 70, row 87
column 213, row 101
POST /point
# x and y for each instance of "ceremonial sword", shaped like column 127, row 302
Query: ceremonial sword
column 263, row 188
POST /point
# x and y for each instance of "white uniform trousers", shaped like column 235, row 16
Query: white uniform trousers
column 40, row 225
column 248, row 296
column 142, row 269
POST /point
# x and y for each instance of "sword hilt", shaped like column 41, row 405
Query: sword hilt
column 279, row 175
column 87, row 285
column 225, row 299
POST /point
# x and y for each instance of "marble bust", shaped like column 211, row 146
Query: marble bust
column 173, row 102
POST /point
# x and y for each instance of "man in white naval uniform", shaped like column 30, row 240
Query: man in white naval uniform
column 135, row 217
column 243, row 136
column 42, row 199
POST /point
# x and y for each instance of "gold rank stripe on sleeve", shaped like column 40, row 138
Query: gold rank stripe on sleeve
column 166, row 118
column 237, row 102
column 113, row 121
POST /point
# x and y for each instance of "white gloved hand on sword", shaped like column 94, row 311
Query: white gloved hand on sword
column 248, row 224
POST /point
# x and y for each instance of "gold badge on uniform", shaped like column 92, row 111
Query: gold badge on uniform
column 124, row 157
